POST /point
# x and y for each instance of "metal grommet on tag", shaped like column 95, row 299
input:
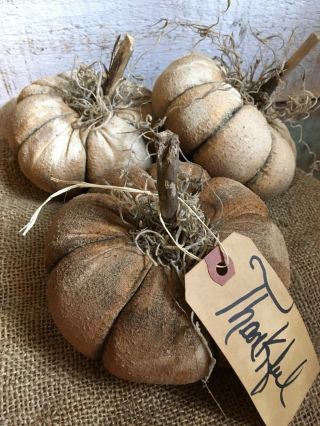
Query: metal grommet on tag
column 219, row 271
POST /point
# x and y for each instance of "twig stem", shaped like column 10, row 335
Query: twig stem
column 123, row 51
column 270, row 86
column 167, row 170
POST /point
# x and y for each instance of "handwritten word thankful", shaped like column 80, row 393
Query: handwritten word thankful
column 262, row 344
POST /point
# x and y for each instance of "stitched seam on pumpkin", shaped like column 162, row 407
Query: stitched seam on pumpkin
column 42, row 83
column 52, row 95
column 223, row 122
column 42, row 125
column 141, row 279
column 113, row 237
column 69, row 142
column 247, row 219
column 262, row 170
column 84, row 143
column 44, row 147
column 185, row 91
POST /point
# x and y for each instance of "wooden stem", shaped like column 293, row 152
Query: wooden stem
column 303, row 50
column 119, row 63
column 167, row 170
column 270, row 86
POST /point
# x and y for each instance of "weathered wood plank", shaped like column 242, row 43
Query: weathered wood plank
column 41, row 37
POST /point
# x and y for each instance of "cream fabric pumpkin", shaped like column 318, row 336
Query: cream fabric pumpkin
column 46, row 135
column 218, row 131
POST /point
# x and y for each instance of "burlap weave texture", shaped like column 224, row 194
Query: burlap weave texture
column 44, row 381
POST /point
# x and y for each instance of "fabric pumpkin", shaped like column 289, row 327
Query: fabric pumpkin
column 113, row 303
column 48, row 140
column 218, row 131
column 76, row 126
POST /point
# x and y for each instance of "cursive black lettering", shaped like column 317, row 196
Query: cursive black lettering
column 264, row 286
column 266, row 282
column 242, row 319
column 248, row 312
column 266, row 345
column 290, row 379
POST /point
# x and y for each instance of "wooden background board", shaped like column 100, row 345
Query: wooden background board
column 41, row 37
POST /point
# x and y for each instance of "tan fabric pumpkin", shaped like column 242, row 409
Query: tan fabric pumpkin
column 218, row 131
column 45, row 135
column 80, row 124
column 111, row 302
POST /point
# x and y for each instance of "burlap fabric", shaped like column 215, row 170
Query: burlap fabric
column 44, row 381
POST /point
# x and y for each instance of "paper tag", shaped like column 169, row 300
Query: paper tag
column 252, row 318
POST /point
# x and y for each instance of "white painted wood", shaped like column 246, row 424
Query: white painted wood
column 43, row 37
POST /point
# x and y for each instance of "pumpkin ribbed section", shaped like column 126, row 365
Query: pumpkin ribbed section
column 218, row 132
column 48, row 142
column 112, row 303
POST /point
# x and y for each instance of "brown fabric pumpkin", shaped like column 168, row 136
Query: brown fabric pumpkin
column 218, row 131
column 111, row 302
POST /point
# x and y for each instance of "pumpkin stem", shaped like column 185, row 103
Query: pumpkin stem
column 167, row 170
column 270, row 86
column 121, row 55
